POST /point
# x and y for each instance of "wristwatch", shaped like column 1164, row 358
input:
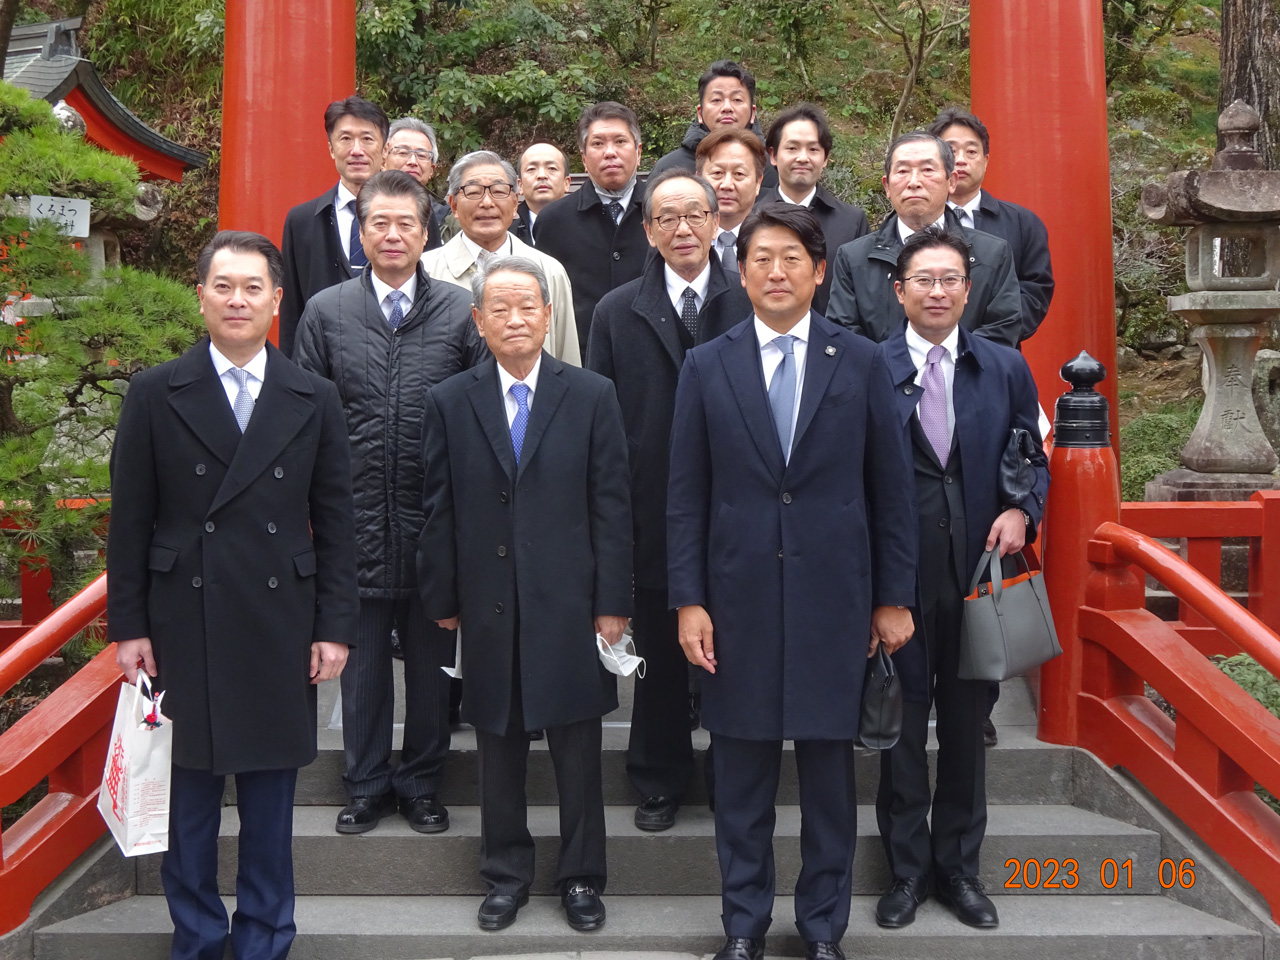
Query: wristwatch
column 1026, row 517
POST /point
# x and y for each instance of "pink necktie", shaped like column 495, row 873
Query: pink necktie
column 933, row 405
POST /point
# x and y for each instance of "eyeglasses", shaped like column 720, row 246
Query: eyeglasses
column 404, row 153
column 952, row 283
column 669, row 221
column 474, row 191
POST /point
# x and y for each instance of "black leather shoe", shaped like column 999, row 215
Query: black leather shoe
column 582, row 906
column 362, row 814
column 425, row 814
column 741, row 948
column 967, row 901
column 897, row 908
column 657, row 813
column 499, row 911
column 823, row 950
column 989, row 733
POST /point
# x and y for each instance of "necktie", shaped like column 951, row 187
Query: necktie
column 728, row 244
column 521, row 422
column 615, row 210
column 242, row 406
column 933, row 405
column 966, row 218
column 782, row 391
column 483, row 259
column 689, row 312
column 355, row 252
column 397, row 310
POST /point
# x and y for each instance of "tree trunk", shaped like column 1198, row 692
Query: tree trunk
column 1250, row 55
column 8, row 13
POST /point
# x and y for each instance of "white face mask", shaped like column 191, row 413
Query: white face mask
column 617, row 659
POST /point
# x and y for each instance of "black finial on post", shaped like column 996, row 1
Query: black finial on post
column 1082, row 418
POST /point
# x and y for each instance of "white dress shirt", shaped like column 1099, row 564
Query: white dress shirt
column 505, row 380
column 475, row 249
column 255, row 368
column 919, row 349
column 383, row 290
column 904, row 231
column 966, row 211
column 344, row 216
column 771, row 357
column 676, row 286
column 782, row 195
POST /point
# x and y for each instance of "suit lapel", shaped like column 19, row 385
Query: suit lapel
column 652, row 303
column 902, row 370
column 741, row 359
column 327, row 216
column 971, row 407
column 551, row 390
column 200, row 400
column 457, row 258
column 281, row 410
column 819, row 366
column 486, row 400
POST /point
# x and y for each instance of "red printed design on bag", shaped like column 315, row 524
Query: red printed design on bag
column 117, row 783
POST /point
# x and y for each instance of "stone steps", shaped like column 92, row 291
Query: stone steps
column 392, row 859
column 412, row 928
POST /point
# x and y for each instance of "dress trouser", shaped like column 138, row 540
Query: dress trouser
column 506, row 847
column 660, row 752
column 959, row 822
column 746, row 783
column 368, row 701
column 262, row 927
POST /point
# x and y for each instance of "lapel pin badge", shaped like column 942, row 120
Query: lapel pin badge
column 831, row 351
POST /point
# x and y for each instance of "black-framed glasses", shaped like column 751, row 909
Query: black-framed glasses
column 951, row 283
column 669, row 221
column 474, row 191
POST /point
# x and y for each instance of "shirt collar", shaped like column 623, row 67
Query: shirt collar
column 803, row 203
column 531, row 381
column 474, row 248
column 256, row 367
column 919, row 347
column 345, row 196
column 905, row 232
column 676, row 284
column 766, row 335
column 408, row 288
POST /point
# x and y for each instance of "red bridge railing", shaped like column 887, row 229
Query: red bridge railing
column 63, row 738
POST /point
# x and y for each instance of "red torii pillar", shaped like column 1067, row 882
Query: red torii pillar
column 286, row 60
column 1038, row 83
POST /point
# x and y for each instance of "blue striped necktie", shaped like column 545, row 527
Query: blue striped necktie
column 355, row 252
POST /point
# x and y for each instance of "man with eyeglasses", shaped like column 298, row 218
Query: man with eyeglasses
column 957, row 397
column 321, row 245
column 919, row 176
column 385, row 338
column 726, row 101
column 639, row 338
column 482, row 196
column 411, row 147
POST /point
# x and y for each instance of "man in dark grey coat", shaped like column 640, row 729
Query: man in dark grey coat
column 527, row 542
column 919, row 176
column 385, row 338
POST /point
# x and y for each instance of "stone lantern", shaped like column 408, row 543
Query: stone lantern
column 1233, row 270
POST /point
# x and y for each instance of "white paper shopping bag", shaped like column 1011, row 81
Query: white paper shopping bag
column 134, row 799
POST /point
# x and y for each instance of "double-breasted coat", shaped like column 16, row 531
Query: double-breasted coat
column 788, row 557
column 528, row 555
column 233, row 554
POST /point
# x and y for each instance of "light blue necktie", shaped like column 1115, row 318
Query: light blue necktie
column 242, row 406
column 521, row 422
column 397, row 311
column 782, row 391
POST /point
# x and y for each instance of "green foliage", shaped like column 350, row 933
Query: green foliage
column 1152, row 443
column 55, row 163
column 1257, row 681
column 795, row 24
column 1131, row 28
column 19, row 112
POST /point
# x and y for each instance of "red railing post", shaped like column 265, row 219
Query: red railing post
column 1084, row 491
column 1264, row 562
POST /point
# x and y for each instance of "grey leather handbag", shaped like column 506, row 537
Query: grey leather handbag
column 1007, row 627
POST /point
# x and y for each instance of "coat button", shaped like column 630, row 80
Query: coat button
column 786, row 498
column 271, row 528
column 617, row 255
column 942, row 522
column 279, row 472
column 273, row 583
column 502, row 551
column 503, row 496
column 908, row 390
column 208, row 526
column 196, row 581
column 497, row 608
column 947, row 479
column 200, row 469
column 779, row 554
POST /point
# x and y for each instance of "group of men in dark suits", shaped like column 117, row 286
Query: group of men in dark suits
column 731, row 473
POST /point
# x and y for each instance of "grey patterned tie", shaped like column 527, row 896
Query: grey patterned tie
column 397, row 310
column 728, row 245
column 242, row 406
column 615, row 211
column 689, row 312
column 484, row 258
column 782, row 391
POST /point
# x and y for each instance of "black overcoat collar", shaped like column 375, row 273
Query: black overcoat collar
column 654, row 305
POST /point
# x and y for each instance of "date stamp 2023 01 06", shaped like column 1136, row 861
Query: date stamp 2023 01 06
column 1053, row 874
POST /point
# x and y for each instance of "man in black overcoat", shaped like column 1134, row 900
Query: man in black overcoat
column 639, row 337
column 544, row 179
column 956, row 400
column 231, row 556
column 597, row 232
column 527, row 544
column 321, row 243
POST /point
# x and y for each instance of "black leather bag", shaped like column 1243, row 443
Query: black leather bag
column 881, row 722
column 1017, row 475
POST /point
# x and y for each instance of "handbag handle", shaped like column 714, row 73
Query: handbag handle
column 997, row 582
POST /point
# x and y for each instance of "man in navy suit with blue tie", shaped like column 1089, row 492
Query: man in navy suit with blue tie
column 791, row 557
